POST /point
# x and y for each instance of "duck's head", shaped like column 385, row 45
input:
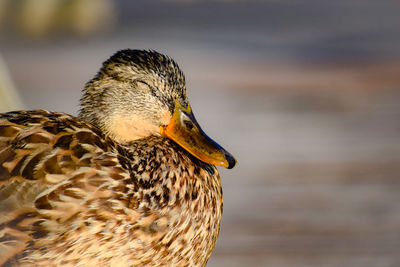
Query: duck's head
column 140, row 93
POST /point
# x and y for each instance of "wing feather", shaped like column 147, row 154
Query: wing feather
column 50, row 165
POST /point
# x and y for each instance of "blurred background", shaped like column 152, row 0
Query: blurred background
column 306, row 95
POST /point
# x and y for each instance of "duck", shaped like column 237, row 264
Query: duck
column 130, row 181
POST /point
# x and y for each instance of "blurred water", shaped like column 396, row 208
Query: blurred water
column 305, row 95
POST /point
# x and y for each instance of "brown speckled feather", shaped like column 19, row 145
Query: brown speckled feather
column 69, row 195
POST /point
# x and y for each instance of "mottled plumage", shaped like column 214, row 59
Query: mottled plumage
column 77, row 192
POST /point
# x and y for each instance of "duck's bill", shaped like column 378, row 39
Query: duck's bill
column 186, row 132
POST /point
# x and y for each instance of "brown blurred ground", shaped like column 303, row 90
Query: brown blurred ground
column 306, row 95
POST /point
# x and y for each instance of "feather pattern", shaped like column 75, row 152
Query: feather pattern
column 71, row 196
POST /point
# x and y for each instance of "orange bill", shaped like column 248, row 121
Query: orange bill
column 186, row 132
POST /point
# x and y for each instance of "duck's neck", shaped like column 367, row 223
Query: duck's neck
column 183, row 195
column 154, row 160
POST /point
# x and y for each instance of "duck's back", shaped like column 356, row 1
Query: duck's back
column 71, row 196
column 46, row 160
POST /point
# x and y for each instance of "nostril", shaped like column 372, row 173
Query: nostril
column 188, row 124
column 186, row 121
